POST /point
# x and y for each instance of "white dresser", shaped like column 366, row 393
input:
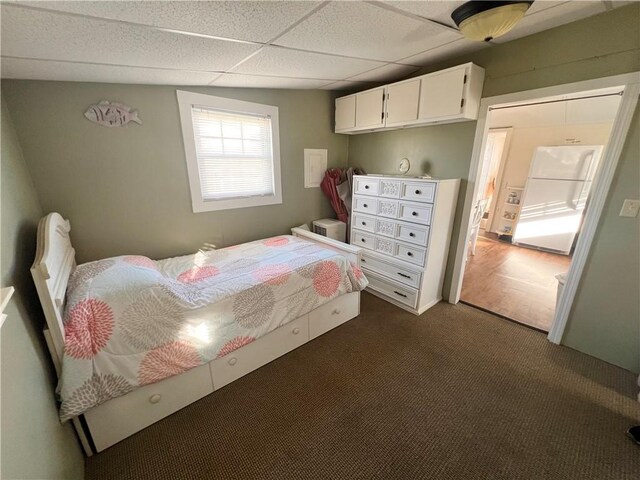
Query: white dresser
column 405, row 224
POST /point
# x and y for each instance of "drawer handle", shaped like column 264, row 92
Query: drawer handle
column 336, row 312
column 398, row 293
column 365, row 205
column 415, row 214
column 232, row 361
column 362, row 240
column 410, row 254
column 364, row 223
column 155, row 398
column 404, row 275
column 295, row 331
column 366, row 187
column 411, row 234
column 418, row 192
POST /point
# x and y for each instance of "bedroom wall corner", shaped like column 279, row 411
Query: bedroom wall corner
column 34, row 442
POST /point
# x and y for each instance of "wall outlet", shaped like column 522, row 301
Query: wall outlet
column 630, row 208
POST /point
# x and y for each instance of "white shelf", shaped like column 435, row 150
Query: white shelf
column 5, row 296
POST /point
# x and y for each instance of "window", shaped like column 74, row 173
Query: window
column 232, row 152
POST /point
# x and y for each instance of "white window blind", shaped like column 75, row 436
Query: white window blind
column 234, row 153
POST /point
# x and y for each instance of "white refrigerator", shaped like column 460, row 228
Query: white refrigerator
column 555, row 196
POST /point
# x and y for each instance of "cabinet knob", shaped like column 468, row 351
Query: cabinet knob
column 362, row 240
column 232, row 361
column 418, row 192
column 366, row 187
column 415, row 214
column 410, row 254
column 365, row 205
column 364, row 223
column 155, row 398
column 295, row 331
column 411, row 234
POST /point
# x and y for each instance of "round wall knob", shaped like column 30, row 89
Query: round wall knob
column 296, row 331
column 232, row 361
column 155, row 398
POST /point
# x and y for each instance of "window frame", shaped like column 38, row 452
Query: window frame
column 199, row 204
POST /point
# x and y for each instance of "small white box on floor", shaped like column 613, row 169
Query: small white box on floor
column 328, row 227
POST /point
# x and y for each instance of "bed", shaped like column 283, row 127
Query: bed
column 134, row 340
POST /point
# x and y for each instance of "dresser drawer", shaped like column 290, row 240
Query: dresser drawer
column 410, row 254
column 401, row 293
column 256, row 354
column 334, row 313
column 401, row 274
column 415, row 212
column 413, row 234
column 365, row 205
column 362, row 222
column 366, row 186
column 418, row 192
column 363, row 240
column 123, row 416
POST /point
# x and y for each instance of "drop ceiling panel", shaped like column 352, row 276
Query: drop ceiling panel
column 250, row 21
column 78, row 72
column 433, row 10
column 389, row 72
column 346, row 85
column 363, row 30
column 43, row 35
column 277, row 61
column 450, row 50
column 251, row 81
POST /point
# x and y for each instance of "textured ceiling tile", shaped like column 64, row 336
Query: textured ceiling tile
column 366, row 31
column 292, row 63
column 388, row 73
column 347, row 85
column 43, row 35
column 78, row 72
column 544, row 17
column 439, row 11
column 451, row 50
column 251, row 81
column 250, row 21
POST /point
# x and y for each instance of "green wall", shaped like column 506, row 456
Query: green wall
column 605, row 321
column 34, row 442
column 126, row 190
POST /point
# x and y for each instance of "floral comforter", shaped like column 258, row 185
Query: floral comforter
column 131, row 321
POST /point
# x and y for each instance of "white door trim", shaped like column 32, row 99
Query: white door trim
column 631, row 84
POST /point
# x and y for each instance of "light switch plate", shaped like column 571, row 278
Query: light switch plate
column 630, row 208
column 315, row 166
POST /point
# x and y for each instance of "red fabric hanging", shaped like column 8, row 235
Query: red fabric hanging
column 331, row 179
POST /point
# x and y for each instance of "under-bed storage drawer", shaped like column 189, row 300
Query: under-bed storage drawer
column 334, row 313
column 391, row 289
column 255, row 354
column 123, row 416
column 401, row 274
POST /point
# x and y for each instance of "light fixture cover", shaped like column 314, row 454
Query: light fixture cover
column 486, row 20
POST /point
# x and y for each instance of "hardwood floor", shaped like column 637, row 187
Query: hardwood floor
column 518, row 283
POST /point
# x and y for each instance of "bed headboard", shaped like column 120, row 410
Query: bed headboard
column 54, row 262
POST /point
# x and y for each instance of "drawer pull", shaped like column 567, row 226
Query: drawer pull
column 364, row 223
column 365, row 205
column 232, row 361
column 418, row 192
column 398, row 293
column 404, row 275
column 411, row 234
column 366, row 187
column 336, row 312
column 410, row 254
column 295, row 331
column 415, row 214
column 362, row 240
column 363, row 260
column 155, row 398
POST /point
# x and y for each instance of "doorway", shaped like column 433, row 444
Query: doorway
column 578, row 252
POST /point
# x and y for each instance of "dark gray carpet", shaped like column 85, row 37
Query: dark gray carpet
column 454, row 394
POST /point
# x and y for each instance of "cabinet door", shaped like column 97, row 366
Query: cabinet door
column 369, row 108
column 441, row 94
column 345, row 113
column 402, row 102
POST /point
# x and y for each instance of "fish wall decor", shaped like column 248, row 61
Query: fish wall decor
column 111, row 114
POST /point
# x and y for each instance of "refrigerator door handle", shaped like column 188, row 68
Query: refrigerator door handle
column 575, row 200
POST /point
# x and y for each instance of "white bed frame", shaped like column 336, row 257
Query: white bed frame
column 108, row 423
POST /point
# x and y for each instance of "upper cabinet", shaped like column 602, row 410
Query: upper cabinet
column 451, row 95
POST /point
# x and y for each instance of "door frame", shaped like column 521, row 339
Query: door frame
column 631, row 84
column 503, row 162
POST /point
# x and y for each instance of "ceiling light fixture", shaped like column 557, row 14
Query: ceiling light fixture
column 486, row 20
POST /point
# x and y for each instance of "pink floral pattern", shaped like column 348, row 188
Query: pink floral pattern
column 273, row 274
column 326, row 278
column 357, row 271
column 140, row 261
column 197, row 274
column 88, row 328
column 276, row 242
column 167, row 360
column 234, row 344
